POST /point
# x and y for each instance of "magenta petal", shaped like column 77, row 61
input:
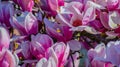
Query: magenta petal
column 98, row 63
column 6, row 11
column 97, row 25
column 53, row 4
column 60, row 2
column 4, row 64
column 67, row 33
column 26, row 5
column 112, row 4
column 104, row 19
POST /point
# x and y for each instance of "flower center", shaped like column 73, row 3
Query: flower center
column 58, row 30
column 77, row 23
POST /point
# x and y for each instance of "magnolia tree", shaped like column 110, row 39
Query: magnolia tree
column 59, row 33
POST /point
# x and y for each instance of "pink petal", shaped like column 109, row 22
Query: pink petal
column 112, row 4
column 10, row 59
column 31, row 24
column 89, row 15
column 104, row 19
column 4, row 38
column 53, row 4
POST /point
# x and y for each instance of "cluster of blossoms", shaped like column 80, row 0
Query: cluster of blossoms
column 59, row 33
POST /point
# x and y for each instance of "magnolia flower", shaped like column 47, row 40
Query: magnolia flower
column 56, row 56
column 6, row 12
column 7, row 59
column 97, row 57
column 103, row 56
column 52, row 60
column 74, row 9
column 26, row 23
column 26, row 5
column 61, row 33
column 76, row 18
column 40, row 44
column 4, row 38
column 51, row 7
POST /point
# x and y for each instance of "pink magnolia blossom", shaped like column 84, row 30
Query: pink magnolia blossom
column 26, row 24
column 56, row 56
column 52, row 60
column 40, row 44
column 103, row 56
column 77, row 18
column 78, row 15
column 97, row 57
